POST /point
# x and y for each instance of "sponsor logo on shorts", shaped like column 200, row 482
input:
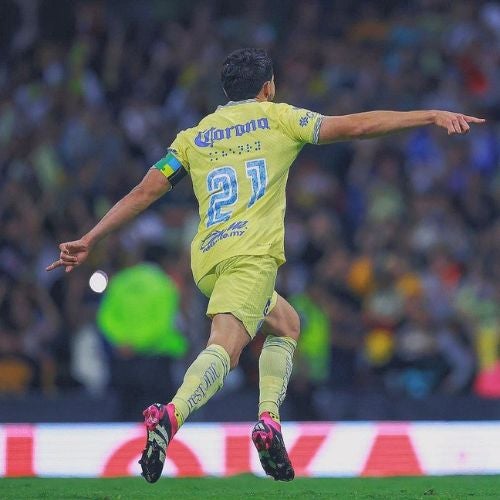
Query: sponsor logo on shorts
column 236, row 229
column 206, row 138
column 265, row 312
column 267, row 306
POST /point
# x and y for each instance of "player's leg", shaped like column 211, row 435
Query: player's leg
column 206, row 374
column 230, row 333
column 202, row 380
column 233, row 325
column 239, row 290
column 282, row 329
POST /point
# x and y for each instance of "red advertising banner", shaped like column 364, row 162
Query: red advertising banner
column 316, row 449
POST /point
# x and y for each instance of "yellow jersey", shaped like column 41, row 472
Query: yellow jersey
column 238, row 158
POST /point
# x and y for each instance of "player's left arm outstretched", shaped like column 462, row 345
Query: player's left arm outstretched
column 378, row 123
column 153, row 186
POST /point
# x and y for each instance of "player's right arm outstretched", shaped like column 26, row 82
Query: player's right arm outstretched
column 377, row 123
column 153, row 186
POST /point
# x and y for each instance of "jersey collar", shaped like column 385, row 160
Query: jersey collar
column 234, row 103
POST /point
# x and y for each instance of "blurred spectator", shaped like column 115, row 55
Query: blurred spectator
column 392, row 244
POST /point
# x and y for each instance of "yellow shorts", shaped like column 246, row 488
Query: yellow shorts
column 243, row 286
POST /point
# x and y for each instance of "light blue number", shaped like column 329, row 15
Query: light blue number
column 223, row 186
column 257, row 173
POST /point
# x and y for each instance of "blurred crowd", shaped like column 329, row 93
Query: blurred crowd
column 392, row 244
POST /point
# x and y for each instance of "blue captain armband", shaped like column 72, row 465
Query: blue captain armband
column 171, row 168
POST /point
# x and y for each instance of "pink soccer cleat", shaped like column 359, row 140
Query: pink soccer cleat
column 268, row 441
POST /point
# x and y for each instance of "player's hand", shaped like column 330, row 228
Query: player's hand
column 455, row 123
column 73, row 253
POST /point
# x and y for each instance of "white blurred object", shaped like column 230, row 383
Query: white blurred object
column 88, row 360
column 98, row 281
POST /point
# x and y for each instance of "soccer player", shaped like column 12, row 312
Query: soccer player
column 238, row 159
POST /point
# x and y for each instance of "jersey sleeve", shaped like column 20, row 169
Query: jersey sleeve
column 174, row 165
column 300, row 124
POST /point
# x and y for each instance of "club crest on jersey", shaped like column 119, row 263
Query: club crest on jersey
column 236, row 229
column 206, row 138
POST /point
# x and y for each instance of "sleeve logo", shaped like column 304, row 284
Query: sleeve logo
column 304, row 120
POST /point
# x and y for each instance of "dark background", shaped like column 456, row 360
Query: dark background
column 392, row 243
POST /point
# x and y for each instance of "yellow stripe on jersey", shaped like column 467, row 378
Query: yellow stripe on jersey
column 238, row 158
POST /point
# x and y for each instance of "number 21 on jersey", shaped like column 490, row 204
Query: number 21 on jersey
column 222, row 184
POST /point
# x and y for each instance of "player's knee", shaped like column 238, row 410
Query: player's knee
column 234, row 353
column 293, row 325
column 230, row 334
column 284, row 321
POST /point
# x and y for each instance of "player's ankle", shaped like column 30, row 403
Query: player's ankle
column 271, row 418
column 173, row 417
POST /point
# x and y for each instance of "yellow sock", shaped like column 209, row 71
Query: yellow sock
column 202, row 380
column 275, row 367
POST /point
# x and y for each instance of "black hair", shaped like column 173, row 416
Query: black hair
column 244, row 72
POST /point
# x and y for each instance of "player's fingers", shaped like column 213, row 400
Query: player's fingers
column 453, row 127
column 473, row 119
column 67, row 258
column 70, row 247
column 66, row 255
column 68, row 269
column 64, row 260
column 54, row 265
column 463, row 124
